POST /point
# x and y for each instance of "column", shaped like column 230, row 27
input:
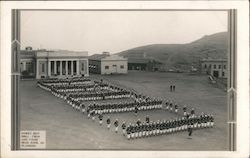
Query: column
column 24, row 66
column 66, row 67
column 37, row 69
column 60, row 68
column 86, row 69
column 72, row 67
column 49, row 69
column 54, row 67
column 77, row 67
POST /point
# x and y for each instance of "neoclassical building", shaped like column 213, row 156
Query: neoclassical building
column 53, row 64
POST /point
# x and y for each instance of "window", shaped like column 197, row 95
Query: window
column 114, row 65
column 106, row 67
column 214, row 66
column 224, row 66
column 223, row 74
column 209, row 66
column 122, row 66
column 219, row 66
column 205, row 66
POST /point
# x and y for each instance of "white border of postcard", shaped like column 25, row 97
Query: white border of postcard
column 242, row 75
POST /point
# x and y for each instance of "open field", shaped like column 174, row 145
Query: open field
column 69, row 129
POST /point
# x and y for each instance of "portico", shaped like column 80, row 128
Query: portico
column 63, row 67
column 61, row 64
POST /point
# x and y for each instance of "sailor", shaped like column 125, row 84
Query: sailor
column 167, row 105
column 190, row 131
column 100, row 119
column 176, row 109
column 212, row 121
column 147, row 119
column 108, row 122
column 116, row 123
column 92, row 114
column 171, row 106
column 128, row 130
column 124, row 128
column 192, row 112
column 184, row 110
column 88, row 112
column 136, row 110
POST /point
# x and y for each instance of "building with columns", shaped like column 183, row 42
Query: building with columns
column 53, row 64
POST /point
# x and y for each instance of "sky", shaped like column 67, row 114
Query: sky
column 116, row 31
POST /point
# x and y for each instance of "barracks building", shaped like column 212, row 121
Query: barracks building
column 108, row 64
column 214, row 67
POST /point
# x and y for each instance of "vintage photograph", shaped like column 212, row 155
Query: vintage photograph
column 124, row 79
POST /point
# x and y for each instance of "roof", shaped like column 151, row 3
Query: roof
column 106, row 57
column 52, row 53
column 214, row 60
column 114, row 57
column 97, row 56
column 27, row 54
column 61, row 53
column 143, row 61
column 138, row 60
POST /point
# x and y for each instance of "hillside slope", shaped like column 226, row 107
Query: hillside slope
column 183, row 56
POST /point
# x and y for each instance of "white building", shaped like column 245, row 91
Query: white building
column 108, row 64
column 214, row 67
column 53, row 64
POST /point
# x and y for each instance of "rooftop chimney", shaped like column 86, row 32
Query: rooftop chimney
column 28, row 48
column 105, row 53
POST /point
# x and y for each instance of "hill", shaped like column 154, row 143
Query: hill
column 183, row 56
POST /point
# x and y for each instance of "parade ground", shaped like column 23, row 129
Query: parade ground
column 67, row 128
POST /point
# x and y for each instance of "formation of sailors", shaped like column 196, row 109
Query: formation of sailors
column 125, row 107
column 78, row 88
column 147, row 128
column 44, row 86
column 114, row 108
column 154, row 128
column 75, row 80
column 73, row 87
column 92, row 96
column 74, row 94
column 89, row 93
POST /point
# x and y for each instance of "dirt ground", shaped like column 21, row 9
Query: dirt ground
column 69, row 129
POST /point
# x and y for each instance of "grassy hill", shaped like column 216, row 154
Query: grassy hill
column 183, row 56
